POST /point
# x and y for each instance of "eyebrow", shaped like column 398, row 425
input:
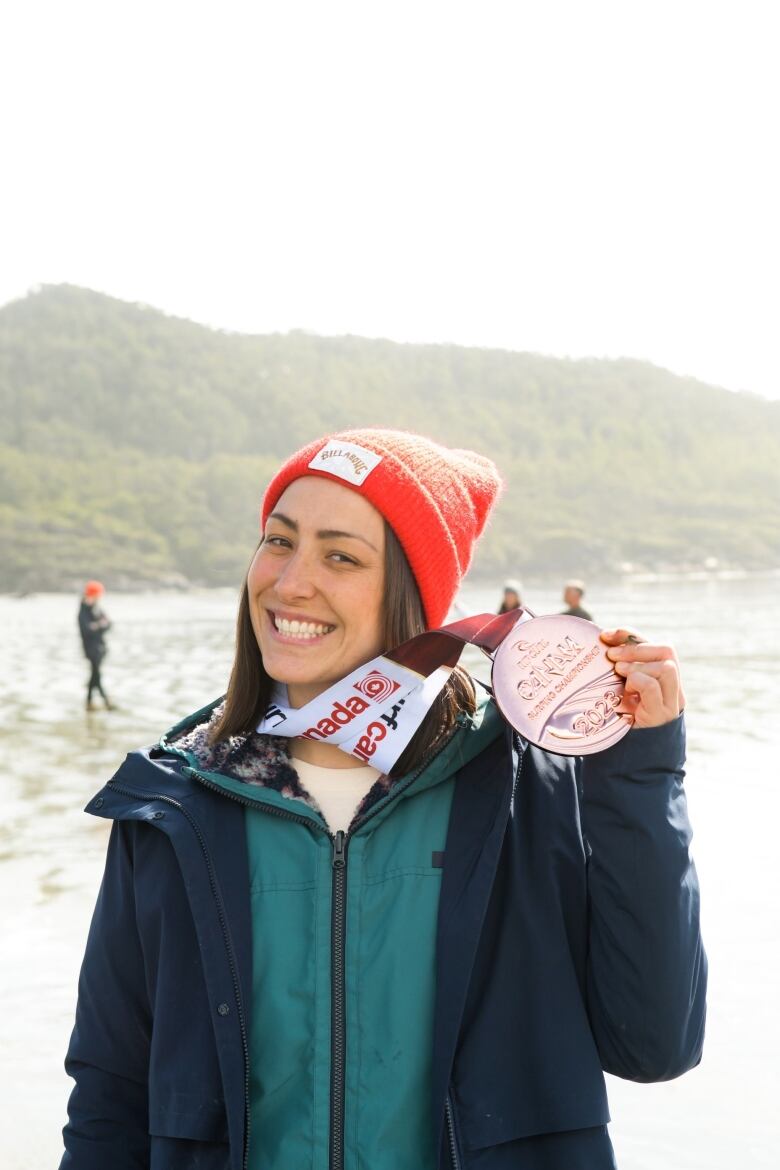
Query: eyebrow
column 324, row 533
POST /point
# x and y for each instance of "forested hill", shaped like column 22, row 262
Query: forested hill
column 135, row 446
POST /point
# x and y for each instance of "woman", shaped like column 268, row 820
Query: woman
column 298, row 960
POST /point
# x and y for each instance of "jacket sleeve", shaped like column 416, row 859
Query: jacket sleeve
column 108, row 1056
column 647, row 971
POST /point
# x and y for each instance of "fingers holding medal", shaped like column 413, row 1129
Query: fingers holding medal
column 653, row 689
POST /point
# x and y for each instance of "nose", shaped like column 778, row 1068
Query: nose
column 296, row 580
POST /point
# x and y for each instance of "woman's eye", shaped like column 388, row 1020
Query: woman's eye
column 277, row 541
column 342, row 558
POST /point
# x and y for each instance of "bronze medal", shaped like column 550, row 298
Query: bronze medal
column 554, row 683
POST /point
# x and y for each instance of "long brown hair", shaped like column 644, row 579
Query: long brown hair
column 249, row 689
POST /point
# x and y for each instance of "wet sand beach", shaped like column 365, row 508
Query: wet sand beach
column 170, row 653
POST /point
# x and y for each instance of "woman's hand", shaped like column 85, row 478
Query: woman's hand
column 653, row 693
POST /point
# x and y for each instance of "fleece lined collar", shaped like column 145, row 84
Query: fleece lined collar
column 263, row 760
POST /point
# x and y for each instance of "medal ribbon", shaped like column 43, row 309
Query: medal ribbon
column 373, row 712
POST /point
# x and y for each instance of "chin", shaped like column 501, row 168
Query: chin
column 282, row 670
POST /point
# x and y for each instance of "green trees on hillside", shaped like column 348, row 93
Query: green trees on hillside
column 137, row 446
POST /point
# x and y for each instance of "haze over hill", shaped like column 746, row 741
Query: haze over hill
column 135, row 446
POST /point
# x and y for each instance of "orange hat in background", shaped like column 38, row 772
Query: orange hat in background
column 93, row 589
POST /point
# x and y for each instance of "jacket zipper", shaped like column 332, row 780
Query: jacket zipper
column 522, row 753
column 338, row 962
column 338, row 1001
column 226, row 938
column 340, row 843
column 454, row 1155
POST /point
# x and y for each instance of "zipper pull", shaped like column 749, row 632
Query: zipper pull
column 339, row 860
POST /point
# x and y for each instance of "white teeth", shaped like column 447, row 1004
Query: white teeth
column 296, row 629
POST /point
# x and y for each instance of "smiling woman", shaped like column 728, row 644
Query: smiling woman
column 305, row 954
column 358, row 579
column 316, row 591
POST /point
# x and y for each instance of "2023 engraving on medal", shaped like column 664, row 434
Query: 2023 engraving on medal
column 597, row 716
column 557, row 687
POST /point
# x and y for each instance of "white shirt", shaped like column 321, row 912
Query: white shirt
column 338, row 791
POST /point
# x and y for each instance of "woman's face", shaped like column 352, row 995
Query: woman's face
column 316, row 586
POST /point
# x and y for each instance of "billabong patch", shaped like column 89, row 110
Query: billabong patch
column 347, row 461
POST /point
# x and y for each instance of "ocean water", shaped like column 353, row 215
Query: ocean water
column 170, row 653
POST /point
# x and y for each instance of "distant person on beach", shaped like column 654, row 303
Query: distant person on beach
column 573, row 592
column 93, row 626
column 511, row 599
column 337, row 927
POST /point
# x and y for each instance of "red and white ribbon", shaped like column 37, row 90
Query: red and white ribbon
column 373, row 712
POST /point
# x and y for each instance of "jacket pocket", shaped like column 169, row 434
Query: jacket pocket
column 183, row 1118
column 167, row 1153
column 477, row 1130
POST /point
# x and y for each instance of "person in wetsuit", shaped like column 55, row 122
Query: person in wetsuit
column 93, row 626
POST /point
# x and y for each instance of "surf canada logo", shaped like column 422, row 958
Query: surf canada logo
column 376, row 687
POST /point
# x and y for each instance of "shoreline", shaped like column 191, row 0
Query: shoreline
column 639, row 576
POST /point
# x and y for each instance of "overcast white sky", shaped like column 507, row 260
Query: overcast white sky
column 589, row 177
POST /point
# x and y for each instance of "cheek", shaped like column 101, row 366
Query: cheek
column 258, row 580
column 259, row 575
column 376, row 618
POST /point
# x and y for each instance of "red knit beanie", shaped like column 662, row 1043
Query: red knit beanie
column 93, row 589
column 434, row 498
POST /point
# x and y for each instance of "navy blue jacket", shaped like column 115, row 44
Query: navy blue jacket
column 568, row 942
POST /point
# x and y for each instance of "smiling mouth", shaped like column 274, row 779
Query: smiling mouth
column 303, row 630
